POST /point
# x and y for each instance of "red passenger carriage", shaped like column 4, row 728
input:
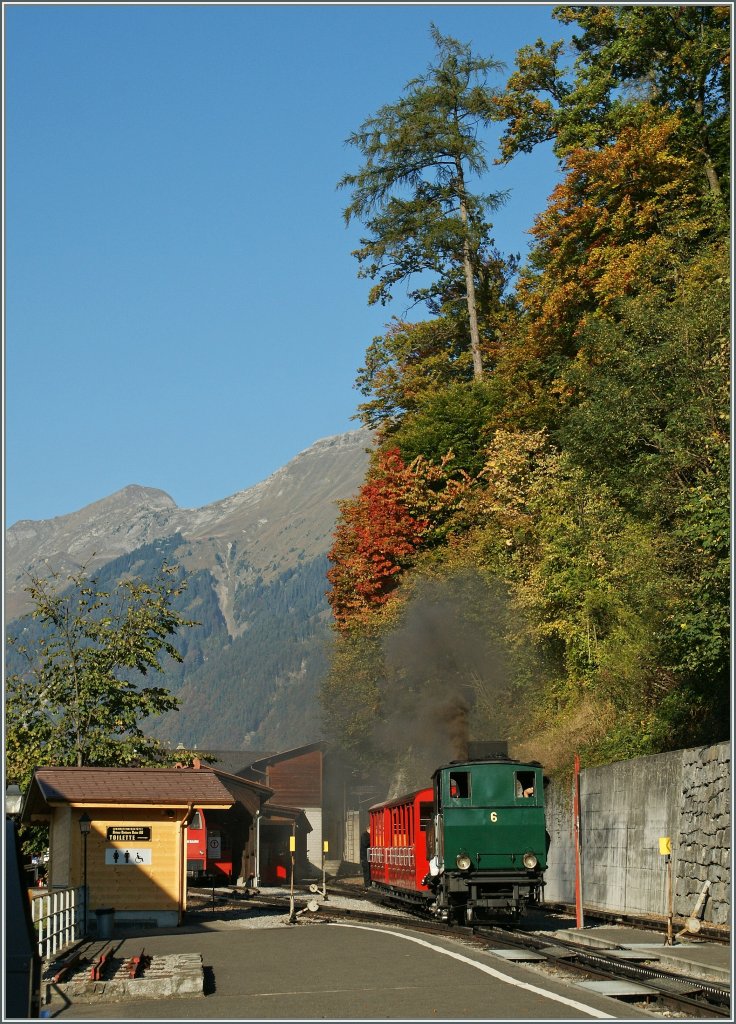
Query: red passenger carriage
column 398, row 850
column 209, row 851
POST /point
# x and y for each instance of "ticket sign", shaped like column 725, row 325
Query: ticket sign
column 665, row 846
column 129, row 834
column 128, row 856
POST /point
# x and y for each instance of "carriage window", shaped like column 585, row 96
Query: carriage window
column 524, row 784
column 196, row 821
column 425, row 816
column 460, row 785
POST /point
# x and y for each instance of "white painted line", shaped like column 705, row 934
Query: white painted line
column 583, row 1007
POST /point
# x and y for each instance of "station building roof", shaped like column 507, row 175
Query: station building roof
column 167, row 787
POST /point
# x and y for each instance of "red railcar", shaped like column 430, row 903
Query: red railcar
column 398, row 852
column 209, row 851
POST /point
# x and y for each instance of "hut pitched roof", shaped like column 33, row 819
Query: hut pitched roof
column 201, row 786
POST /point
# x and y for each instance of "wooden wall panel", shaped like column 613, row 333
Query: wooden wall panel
column 154, row 886
column 297, row 781
column 59, row 838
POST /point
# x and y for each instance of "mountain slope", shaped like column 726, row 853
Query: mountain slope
column 257, row 589
column 264, row 528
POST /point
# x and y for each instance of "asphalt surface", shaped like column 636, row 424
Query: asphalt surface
column 259, row 965
column 342, row 971
column 354, row 972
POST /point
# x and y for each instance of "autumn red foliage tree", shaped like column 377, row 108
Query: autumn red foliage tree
column 399, row 510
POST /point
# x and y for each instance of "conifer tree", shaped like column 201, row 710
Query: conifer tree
column 411, row 191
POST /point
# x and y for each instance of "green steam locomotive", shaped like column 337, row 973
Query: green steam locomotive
column 473, row 845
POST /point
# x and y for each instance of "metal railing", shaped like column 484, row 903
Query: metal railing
column 396, row 856
column 58, row 919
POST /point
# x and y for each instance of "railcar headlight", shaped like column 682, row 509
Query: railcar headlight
column 463, row 861
column 530, row 860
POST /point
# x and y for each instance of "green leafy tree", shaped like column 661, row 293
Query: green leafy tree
column 457, row 419
column 674, row 56
column 75, row 693
column 412, row 190
column 405, row 364
column 594, row 494
column 665, row 368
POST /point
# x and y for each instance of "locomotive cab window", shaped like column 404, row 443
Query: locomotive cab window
column 196, row 821
column 460, row 785
column 524, row 784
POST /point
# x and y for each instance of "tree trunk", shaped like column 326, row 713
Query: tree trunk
column 710, row 173
column 469, row 280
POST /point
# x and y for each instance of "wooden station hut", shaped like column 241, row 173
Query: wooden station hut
column 134, row 856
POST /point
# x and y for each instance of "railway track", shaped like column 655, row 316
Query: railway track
column 667, row 992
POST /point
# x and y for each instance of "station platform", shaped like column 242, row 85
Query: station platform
column 699, row 958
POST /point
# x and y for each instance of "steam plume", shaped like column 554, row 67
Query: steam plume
column 446, row 650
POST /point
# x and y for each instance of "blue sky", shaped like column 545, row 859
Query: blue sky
column 182, row 308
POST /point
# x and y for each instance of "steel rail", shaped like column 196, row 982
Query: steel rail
column 712, row 932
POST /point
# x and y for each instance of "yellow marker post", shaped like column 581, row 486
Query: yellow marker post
column 292, row 850
column 325, row 848
column 665, row 850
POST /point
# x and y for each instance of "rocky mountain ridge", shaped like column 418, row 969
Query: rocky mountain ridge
column 261, row 530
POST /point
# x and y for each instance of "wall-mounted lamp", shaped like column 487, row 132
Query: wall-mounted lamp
column 13, row 800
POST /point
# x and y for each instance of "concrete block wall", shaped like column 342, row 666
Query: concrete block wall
column 625, row 808
column 560, row 874
column 314, row 838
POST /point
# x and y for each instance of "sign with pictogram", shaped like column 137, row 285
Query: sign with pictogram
column 127, row 856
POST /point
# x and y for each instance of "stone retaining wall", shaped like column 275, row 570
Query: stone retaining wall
column 704, row 839
column 625, row 808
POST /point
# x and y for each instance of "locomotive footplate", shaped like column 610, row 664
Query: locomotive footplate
column 495, row 892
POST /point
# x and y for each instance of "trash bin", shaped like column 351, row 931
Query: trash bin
column 105, row 918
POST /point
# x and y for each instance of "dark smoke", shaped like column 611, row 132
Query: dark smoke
column 445, row 664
